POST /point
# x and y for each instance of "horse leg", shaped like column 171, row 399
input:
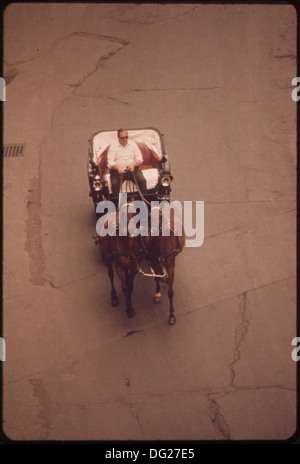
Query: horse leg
column 114, row 298
column 157, row 294
column 170, row 294
column 127, row 287
column 130, row 279
column 171, row 316
column 106, row 258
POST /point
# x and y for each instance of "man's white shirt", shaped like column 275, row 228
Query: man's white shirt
column 123, row 156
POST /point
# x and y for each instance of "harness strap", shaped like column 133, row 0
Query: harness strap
column 125, row 254
column 173, row 252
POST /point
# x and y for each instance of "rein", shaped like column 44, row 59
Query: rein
column 141, row 195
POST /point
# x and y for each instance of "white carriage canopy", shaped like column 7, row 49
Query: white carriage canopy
column 149, row 136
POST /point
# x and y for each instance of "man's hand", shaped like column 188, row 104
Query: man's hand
column 131, row 167
column 118, row 168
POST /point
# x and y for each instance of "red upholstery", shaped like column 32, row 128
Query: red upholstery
column 102, row 163
column 150, row 159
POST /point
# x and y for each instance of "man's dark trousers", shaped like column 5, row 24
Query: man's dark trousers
column 115, row 179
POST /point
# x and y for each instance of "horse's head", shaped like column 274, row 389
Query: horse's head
column 134, row 219
column 166, row 230
column 124, row 216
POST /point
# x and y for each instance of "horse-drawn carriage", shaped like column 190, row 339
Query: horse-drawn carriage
column 155, row 166
column 126, row 252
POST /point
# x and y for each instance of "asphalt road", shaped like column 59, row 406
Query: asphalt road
column 216, row 80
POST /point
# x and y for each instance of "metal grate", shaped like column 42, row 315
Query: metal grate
column 14, row 150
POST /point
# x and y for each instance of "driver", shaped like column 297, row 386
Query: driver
column 124, row 156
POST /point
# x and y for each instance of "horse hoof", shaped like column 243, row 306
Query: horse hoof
column 114, row 302
column 156, row 299
column 172, row 320
column 131, row 313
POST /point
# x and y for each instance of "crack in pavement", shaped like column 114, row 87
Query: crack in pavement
column 102, row 60
column 74, row 282
column 150, row 15
column 240, row 333
column 171, row 89
column 115, row 95
column 217, row 418
column 10, row 74
column 247, row 226
column 91, row 35
column 61, row 40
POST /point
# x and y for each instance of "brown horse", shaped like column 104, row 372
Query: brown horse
column 125, row 254
column 163, row 251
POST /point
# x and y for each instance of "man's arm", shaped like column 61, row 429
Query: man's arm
column 111, row 161
column 117, row 168
column 138, row 158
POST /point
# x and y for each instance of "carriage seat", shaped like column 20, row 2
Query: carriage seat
column 150, row 167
